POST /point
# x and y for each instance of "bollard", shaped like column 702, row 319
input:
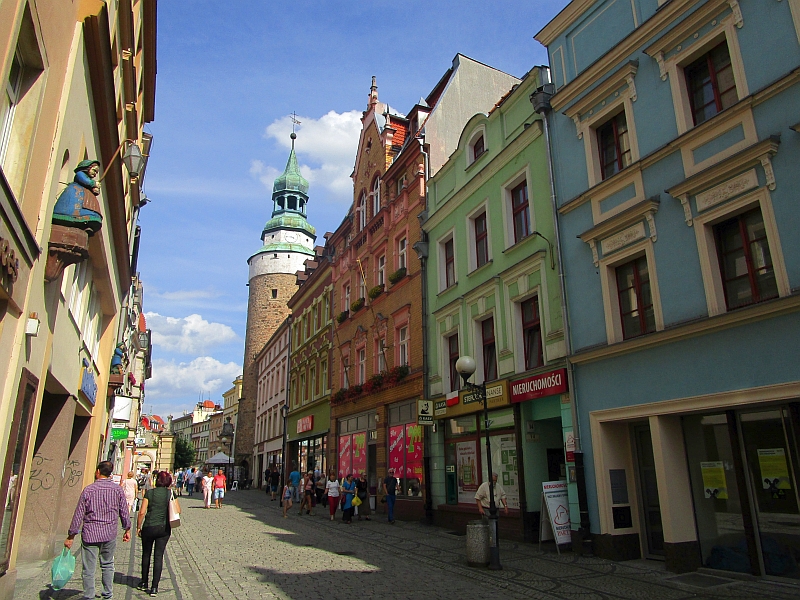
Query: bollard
column 477, row 543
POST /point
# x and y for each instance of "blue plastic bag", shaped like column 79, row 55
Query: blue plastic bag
column 63, row 568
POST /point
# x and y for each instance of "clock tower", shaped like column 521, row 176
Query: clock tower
column 288, row 241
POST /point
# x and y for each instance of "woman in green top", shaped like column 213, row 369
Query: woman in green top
column 153, row 527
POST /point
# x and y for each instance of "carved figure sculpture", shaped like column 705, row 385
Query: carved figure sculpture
column 116, row 360
column 75, row 206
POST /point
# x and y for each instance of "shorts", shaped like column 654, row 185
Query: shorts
column 273, row 489
column 219, row 493
column 309, row 493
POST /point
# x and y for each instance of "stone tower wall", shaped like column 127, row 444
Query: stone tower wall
column 264, row 316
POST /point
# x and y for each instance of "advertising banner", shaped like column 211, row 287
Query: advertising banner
column 554, row 522
column 396, row 449
column 414, row 452
column 467, row 471
column 345, row 455
column 359, row 460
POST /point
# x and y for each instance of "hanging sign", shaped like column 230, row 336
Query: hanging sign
column 305, row 424
column 119, row 433
column 554, row 522
column 425, row 412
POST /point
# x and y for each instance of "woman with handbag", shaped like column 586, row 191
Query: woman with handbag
column 153, row 526
column 362, row 493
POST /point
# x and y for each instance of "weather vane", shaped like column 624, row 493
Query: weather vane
column 294, row 119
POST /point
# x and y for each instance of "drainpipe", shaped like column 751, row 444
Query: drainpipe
column 421, row 248
column 541, row 104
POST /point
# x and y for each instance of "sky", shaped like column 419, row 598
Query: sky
column 229, row 77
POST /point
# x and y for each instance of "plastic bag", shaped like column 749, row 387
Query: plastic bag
column 63, row 568
column 356, row 501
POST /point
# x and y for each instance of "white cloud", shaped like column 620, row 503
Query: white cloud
column 203, row 374
column 184, row 295
column 188, row 335
column 329, row 144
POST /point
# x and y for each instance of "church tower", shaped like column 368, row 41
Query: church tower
column 288, row 241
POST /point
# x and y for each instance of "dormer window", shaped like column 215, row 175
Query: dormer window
column 478, row 148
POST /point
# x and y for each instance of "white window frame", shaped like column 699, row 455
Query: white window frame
column 472, row 251
column 361, row 354
column 361, row 211
column 381, row 262
column 508, row 211
column 402, row 345
column 440, row 245
column 401, row 183
column 376, row 196
column 479, row 132
column 402, row 252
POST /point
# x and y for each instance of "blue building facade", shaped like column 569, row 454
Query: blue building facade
column 675, row 146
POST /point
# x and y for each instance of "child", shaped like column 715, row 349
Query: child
column 287, row 500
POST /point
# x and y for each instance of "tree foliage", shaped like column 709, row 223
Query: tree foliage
column 184, row 453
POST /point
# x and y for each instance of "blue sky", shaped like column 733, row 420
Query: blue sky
column 228, row 77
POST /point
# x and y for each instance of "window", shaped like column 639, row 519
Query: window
column 478, row 148
column 710, row 83
column 314, row 384
column 401, row 184
column 402, row 249
column 402, row 346
column 520, row 212
column 489, row 350
column 745, row 261
column 531, row 334
column 362, row 212
column 9, row 100
column 635, row 300
column 324, row 375
column 380, row 350
column 346, row 296
column 449, row 264
column 404, row 452
column 614, row 145
column 481, row 240
column 345, row 374
column 452, row 358
column 362, row 365
column 274, row 293
column 376, row 197
column 382, row 270
column 362, row 286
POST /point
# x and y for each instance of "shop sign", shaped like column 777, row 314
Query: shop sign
column 424, row 412
column 493, row 391
column 305, row 424
column 569, row 445
column 539, row 386
column 88, row 383
column 555, row 502
column 140, row 442
column 440, row 408
column 467, row 401
column 119, row 433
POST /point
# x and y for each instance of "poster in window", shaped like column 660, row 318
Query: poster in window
column 774, row 472
column 397, row 449
column 345, row 455
column 714, row 483
column 504, row 463
column 413, row 472
column 359, row 459
column 467, row 471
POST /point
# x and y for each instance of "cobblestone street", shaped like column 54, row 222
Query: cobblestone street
column 247, row 550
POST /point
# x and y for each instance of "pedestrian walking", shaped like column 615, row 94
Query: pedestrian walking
column 208, row 482
column 390, row 491
column 308, row 493
column 153, row 527
column 332, row 493
column 349, row 491
column 131, row 490
column 482, row 496
column 274, row 481
column 219, row 484
column 190, row 479
column 99, row 506
column 362, row 491
column 286, row 494
column 319, row 487
column 294, row 483
column 179, row 476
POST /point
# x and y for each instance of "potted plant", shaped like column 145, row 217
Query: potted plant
column 373, row 384
column 338, row 397
column 397, row 275
column 353, row 392
column 357, row 305
column 342, row 316
column 375, row 292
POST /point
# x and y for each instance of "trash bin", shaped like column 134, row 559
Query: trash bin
column 477, row 543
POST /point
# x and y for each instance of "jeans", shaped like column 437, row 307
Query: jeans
column 89, row 555
column 158, row 536
column 390, row 498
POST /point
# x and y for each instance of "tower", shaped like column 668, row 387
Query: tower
column 288, row 241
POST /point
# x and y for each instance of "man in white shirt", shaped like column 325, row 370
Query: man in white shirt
column 482, row 496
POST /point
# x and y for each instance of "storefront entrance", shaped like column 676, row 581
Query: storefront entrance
column 648, row 492
column 744, row 474
column 312, row 454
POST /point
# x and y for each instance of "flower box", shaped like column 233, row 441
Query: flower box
column 375, row 292
column 357, row 305
column 397, row 275
column 342, row 316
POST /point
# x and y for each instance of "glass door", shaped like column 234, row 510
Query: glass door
column 648, row 491
column 770, row 452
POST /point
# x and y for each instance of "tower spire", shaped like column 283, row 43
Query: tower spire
column 373, row 92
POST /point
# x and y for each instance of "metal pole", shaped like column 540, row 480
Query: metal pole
column 494, row 542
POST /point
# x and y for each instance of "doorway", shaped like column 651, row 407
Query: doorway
column 650, row 506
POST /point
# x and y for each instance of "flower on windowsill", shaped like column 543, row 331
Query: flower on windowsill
column 342, row 316
column 353, row 392
column 339, row 396
column 375, row 292
column 373, row 384
column 357, row 305
column 395, row 375
column 397, row 275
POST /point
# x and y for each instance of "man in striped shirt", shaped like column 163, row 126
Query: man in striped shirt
column 100, row 505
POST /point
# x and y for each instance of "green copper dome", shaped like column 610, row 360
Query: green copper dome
column 289, row 221
column 291, row 179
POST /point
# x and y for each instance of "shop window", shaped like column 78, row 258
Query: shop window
column 452, row 358
column 531, row 333
column 710, row 83
column 489, row 350
column 405, row 450
column 748, row 276
column 520, row 212
column 614, row 145
column 636, row 311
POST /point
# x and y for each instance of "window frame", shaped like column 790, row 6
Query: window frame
column 381, row 269
column 402, row 252
column 452, row 353
column 713, row 74
column 488, row 348
column 402, row 345
column 520, row 210
column 376, row 196
column 361, row 359
column 478, row 134
column 361, row 212
column 481, row 239
column 448, row 248
column 612, row 123
column 534, row 324
column 637, row 289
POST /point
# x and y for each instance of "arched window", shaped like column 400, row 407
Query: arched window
column 376, row 197
column 362, row 212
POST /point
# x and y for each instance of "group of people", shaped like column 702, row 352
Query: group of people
column 351, row 494
column 212, row 485
column 101, row 504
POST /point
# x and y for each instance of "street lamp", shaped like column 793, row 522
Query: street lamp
column 226, row 437
column 465, row 366
column 284, row 414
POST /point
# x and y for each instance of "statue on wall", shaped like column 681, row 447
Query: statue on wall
column 77, row 206
column 116, row 360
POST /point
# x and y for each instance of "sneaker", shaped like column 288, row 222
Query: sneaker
column 143, row 587
column 331, row 517
column 153, row 592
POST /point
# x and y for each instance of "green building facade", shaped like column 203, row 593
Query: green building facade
column 493, row 294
